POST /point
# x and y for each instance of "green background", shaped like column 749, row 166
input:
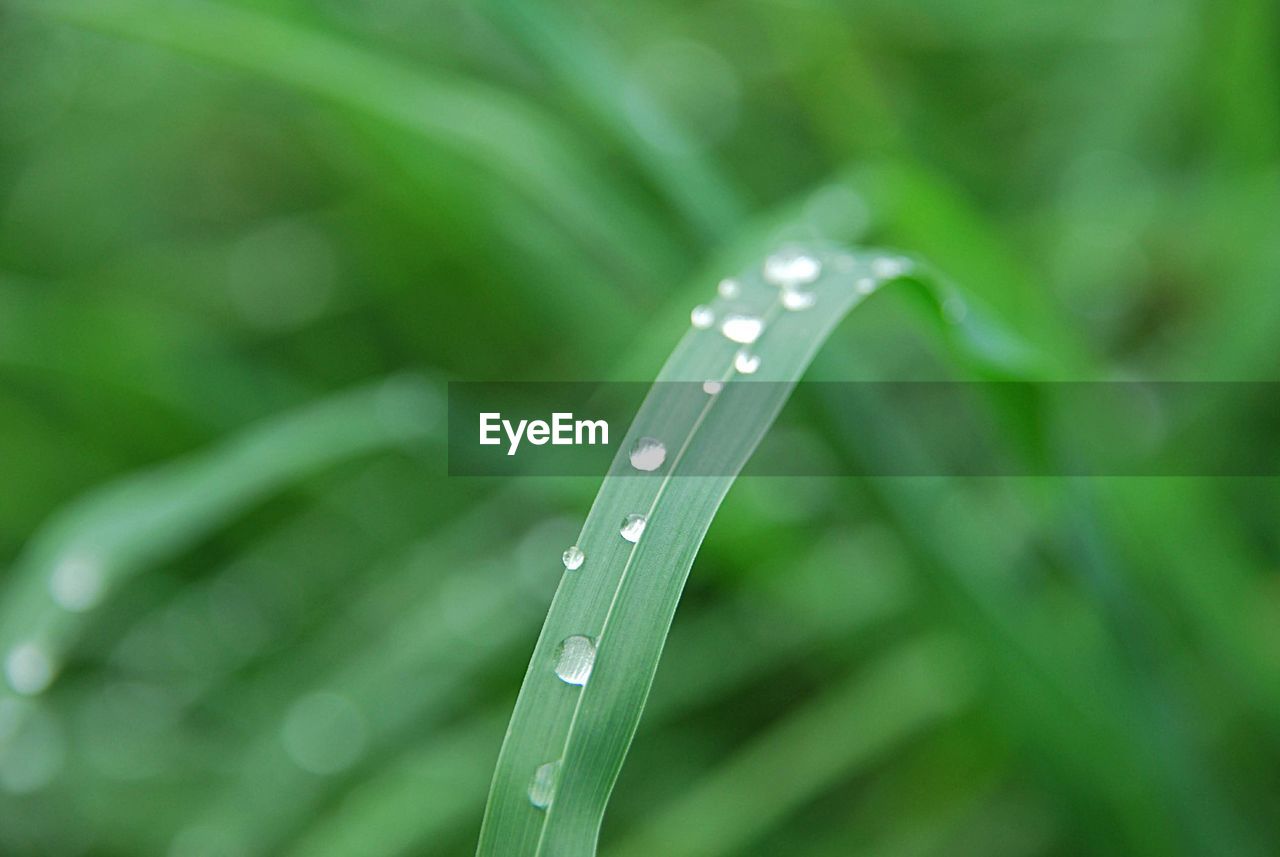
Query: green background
column 244, row 245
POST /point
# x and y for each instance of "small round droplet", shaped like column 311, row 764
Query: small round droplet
column 633, row 527
column 573, row 557
column 729, row 288
column 745, row 362
column 795, row 299
column 888, row 267
column 742, row 329
column 865, row 285
column 542, row 787
column 77, row 583
column 648, row 454
column 29, row 668
column 702, row 317
column 791, row 267
column 954, row 309
column 711, row 388
column 575, row 657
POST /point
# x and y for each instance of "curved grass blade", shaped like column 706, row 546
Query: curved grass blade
column 683, row 687
column 619, row 605
column 90, row 547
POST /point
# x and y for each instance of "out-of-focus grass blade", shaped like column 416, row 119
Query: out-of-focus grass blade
column 119, row 530
column 739, row 631
column 568, row 738
column 861, row 718
column 583, row 64
column 469, row 119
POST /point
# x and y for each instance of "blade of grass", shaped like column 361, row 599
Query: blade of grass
column 118, row 531
column 624, row 596
column 466, row 118
column 860, row 719
column 584, row 64
column 740, row 630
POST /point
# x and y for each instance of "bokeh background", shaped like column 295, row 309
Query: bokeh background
column 243, row 610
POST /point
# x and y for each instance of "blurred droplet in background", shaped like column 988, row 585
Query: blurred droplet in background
column 324, row 733
column 283, row 275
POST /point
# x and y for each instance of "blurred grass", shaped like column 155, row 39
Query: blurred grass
column 219, row 218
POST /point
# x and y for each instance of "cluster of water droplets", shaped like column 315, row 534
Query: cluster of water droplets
column 77, row 583
column 792, row 270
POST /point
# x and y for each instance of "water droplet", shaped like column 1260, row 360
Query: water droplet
column 954, row 309
column 745, row 362
column 324, row 733
column 542, row 787
column 574, row 659
column 888, row 267
column 791, row 267
column 742, row 329
column 729, row 288
column 795, row 299
column 77, row 583
column 702, row 317
column 633, row 527
column 648, row 454
column 29, row 668
column 283, row 276
column 866, row 285
column 573, row 557
column 712, row 387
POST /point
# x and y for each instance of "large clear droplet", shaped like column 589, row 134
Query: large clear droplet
column 702, row 317
column 795, row 299
column 648, row 454
column 542, row 788
column 745, row 362
column 791, row 267
column 729, row 289
column 742, row 329
column 633, row 527
column 575, row 657
column 573, row 557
